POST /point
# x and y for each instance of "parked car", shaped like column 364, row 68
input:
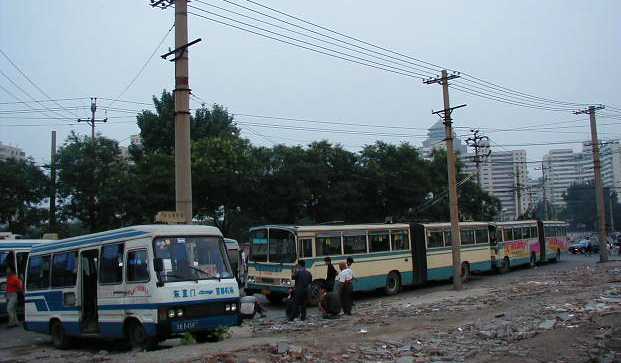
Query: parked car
column 583, row 246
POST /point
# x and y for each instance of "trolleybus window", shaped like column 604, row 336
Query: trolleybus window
column 305, row 247
column 258, row 245
column 355, row 244
column 482, row 236
column 328, row 246
column 399, row 240
column 137, row 266
column 448, row 240
column 6, row 259
column 191, row 258
column 508, row 234
column 38, row 273
column 533, row 232
column 281, row 246
column 64, row 269
column 379, row 241
column 111, row 267
column 434, row 239
column 467, row 237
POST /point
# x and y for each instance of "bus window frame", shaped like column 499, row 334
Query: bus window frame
column 126, row 265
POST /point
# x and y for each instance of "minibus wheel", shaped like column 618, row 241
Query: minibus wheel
column 137, row 336
column 59, row 339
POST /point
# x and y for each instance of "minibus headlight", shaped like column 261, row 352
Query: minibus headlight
column 285, row 282
column 3, row 286
column 171, row 313
column 227, row 307
column 179, row 313
column 234, row 307
column 251, row 279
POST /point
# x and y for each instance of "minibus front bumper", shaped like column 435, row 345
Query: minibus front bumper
column 198, row 317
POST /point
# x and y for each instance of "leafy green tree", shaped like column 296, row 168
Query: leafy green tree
column 581, row 210
column 23, row 187
column 93, row 181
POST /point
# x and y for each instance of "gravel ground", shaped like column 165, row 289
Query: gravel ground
column 566, row 312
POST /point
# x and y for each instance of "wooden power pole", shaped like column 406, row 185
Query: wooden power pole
column 452, row 171
column 92, row 120
column 599, row 191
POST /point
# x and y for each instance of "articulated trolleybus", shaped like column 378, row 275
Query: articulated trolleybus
column 142, row 284
column 385, row 256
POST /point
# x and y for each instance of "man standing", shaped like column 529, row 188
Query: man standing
column 303, row 279
column 13, row 287
column 331, row 274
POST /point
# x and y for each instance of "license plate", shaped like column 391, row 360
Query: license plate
column 265, row 291
column 185, row 325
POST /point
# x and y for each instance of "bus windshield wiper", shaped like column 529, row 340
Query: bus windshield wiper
column 205, row 272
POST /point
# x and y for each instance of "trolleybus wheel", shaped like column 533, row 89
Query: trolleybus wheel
column 59, row 339
column 393, row 283
column 505, row 265
column 137, row 337
column 465, row 272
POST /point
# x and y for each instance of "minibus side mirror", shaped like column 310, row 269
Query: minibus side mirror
column 158, row 264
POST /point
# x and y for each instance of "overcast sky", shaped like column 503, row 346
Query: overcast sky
column 567, row 50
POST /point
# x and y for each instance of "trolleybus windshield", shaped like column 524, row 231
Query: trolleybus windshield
column 191, row 258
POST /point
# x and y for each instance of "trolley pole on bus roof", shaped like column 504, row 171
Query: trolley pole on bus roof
column 452, row 171
column 599, row 191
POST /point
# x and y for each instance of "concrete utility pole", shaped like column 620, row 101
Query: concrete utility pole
column 92, row 120
column 450, row 160
column 183, row 157
column 612, row 211
column 599, row 191
column 475, row 142
column 518, row 189
column 545, row 199
column 52, row 216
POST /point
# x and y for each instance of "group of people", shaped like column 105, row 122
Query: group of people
column 335, row 294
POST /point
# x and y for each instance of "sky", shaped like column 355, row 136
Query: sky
column 559, row 49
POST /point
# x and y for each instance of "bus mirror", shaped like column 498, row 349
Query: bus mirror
column 158, row 264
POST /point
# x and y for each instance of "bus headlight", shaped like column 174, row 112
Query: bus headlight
column 171, row 313
column 3, row 286
column 234, row 307
column 285, row 282
column 179, row 313
column 227, row 307
column 251, row 279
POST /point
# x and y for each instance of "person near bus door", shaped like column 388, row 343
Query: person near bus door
column 330, row 275
column 13, row 288
column 303, row 279
column 345, row 287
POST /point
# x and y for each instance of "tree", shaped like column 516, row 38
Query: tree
column 23, row 186
column 93, row 181
column 581, row 211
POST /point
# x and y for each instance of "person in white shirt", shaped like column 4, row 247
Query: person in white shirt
column 345, row 287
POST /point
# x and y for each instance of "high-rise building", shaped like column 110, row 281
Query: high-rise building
column 503, row 174
column 436, row 136
column 11, row 152
column 565, row 168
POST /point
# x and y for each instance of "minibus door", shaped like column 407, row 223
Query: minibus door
column 89, row 321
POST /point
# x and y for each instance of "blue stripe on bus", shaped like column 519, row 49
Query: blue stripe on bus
column 7, row 246
column 87, row 241
column 53, row 301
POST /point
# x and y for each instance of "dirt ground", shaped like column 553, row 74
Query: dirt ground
column 564, row 312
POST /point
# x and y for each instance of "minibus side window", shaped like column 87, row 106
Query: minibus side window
column 64, row 269
column 137, row 266
column 38, row 273
column 111, row 266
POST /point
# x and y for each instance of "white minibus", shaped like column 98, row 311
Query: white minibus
column 143, row 284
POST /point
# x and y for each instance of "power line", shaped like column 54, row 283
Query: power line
column 142, row 68
column 33, row 83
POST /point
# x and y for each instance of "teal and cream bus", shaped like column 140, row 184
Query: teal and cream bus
column 386, row 256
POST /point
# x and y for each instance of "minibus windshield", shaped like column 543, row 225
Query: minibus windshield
column 191, row 258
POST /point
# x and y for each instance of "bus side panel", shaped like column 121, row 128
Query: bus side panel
column 419, row 253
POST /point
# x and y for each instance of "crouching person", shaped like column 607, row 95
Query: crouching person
column 329, row 304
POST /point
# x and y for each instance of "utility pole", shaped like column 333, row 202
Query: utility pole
column 599, row 191
column 52, row 216
column 183, row 158
column 450, row 159
column 518, row 187
column 475, row 142
column 612, row 211
column 92, row 120
column 543, row 186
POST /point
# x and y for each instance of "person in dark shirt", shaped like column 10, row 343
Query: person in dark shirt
column 303, row 279
column 331, row 274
